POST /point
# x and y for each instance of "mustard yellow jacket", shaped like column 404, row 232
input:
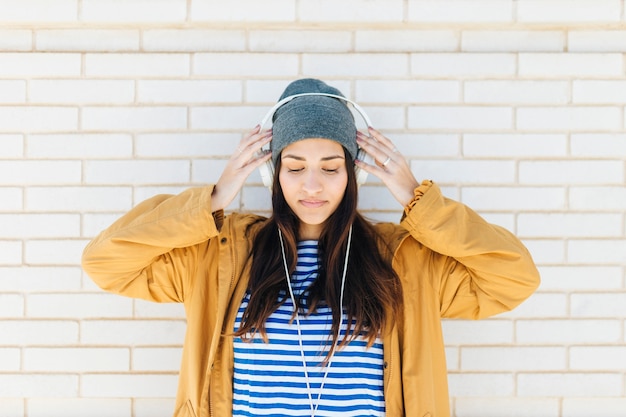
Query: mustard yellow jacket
column 452, row 264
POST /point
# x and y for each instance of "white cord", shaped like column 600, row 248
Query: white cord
column 295, row 306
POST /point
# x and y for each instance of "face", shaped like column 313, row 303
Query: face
column 313, row 178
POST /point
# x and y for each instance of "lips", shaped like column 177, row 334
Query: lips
column 312, row 203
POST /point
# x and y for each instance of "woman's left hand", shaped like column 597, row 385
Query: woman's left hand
column 390, row 166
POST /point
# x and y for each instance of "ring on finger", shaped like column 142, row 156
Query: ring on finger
column 386, row 161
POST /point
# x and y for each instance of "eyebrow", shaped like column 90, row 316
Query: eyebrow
column 301, row 158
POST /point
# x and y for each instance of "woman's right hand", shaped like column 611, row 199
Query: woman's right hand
column 246, row 159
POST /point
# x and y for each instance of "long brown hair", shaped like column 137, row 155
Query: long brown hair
column 372, row 289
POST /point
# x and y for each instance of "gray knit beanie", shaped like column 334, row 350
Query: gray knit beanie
column 312, row 117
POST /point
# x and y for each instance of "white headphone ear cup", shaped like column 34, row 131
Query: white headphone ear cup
column 267, row 174
column 361, row 175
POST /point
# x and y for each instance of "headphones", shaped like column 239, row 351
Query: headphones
column 267, row 169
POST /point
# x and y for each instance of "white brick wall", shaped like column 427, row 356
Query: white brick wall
column 517, row 108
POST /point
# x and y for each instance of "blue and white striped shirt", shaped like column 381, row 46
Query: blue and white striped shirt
column 269, row 378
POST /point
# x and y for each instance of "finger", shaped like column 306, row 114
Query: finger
column 252, row 144
column 382, row 139
column 381, row 154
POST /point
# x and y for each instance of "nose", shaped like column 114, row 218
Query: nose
column 312, row 183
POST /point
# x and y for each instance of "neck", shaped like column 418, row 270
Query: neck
column 309, row 232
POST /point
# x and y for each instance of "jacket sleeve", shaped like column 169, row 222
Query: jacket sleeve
column 151, row 251
column 478, row 269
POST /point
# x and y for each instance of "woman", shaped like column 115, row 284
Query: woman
column 314, row 311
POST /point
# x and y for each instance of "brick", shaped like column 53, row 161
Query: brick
column 504, row 359
column 169, row 145
column 82, row 91
column 82, row 40
column 452, row 358
column 156, row 359
column 596, row 41
column 370, row 40
column 124, row 385
column 133, row 11
column 53, row 252
column 569, row 118
column 383, row 118
column 355, row 65
column 462, row 64
column 11, row 199
column 153, row 407
column 78, row 407
column 598, row 305
column 512, row 41
column 565, row 331
column 300, row 41
column 579, row 277
column 597, row 198
column 460, row 117
column 426, row 145
column 132, row 332
column 255, row 199
column 570, row 64
column 498, row 407
column 514, row 145
column 12, row 147
column 134, row 118
column 24, row 225
column 377, row 198
column 541, row 305
column 351, row 11
column 245, row 64
column 40, row 279
column 38, row 119
column 12, row 407
column 207, row 171
column 571, row 172
column 480, row 385
column 193, row 40
column 92, row 199
column 598, row 144
column 137, row 172
column 137, row 65
column 569, row 385
column 9, row 360
column 189, row 91
column 465, row 171
column 38, row 385
column 583, row 407
column 39, row 64
column 595, row 358
column 432, row 11
column 569, row 225
column 11, row 305
column 606, row 251
column 546, row 251
column 414, row 91
column 39, row 172
column 145, row 192
column 243, row 11
column 148, row 309
column 598, row 91
column 542, row 11
column 29, row 11
column 485, row 332
column 10, row 253
column 13, row 91
column 516, row 92
column 95, row 223
column 226, row 117
column 79, row 306
column 37, row 333
column 76, row 359
column 16, row 40
column 88, row 146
